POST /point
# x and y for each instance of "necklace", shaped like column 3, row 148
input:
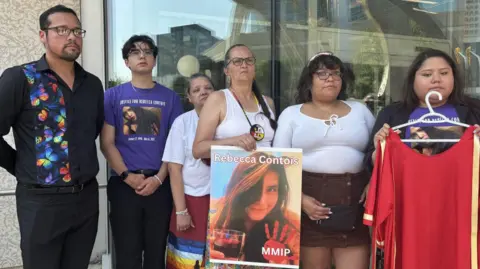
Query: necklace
column 145, row 90
column 256, row 130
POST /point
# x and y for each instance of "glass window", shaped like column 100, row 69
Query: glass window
column 368, row 37
column 192, row 36
column 366, row 34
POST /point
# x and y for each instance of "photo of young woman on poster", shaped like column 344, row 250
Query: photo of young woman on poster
column 253, row 222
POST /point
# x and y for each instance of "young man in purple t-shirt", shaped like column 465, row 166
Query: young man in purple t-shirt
column 138, row 116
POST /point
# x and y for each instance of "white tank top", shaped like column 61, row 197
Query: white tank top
column 235, row 123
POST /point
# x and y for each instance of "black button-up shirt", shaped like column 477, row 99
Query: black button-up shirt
column 54, row 127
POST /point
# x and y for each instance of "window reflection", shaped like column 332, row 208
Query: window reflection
column 367, row 36
column 377, row 39
column 192, row 36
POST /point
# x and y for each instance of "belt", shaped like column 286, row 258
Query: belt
column 145, row 172
column 42, row 189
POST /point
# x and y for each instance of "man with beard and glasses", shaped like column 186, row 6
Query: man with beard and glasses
column 56, row 110
column 138, row 118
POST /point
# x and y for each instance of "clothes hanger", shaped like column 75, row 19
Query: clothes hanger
column 423, row 119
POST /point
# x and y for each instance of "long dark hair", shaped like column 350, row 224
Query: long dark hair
column 139, row 112
column 255, row 89
column 410, row 99
column 329, row 61
column 245, row 188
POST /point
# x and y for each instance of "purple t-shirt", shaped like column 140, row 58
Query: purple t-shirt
column 142, row 120
column 420, row 129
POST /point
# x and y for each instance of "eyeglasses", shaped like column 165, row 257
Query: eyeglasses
column 139, row 52
column 64, row 31
column 239, row 61
column 323, row 75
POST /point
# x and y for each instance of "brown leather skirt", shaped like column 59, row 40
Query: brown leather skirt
column 334, row 189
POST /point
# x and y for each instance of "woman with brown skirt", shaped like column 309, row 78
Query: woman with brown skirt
column 333, row 134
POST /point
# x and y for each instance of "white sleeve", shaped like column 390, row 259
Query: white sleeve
column 284, row 132
column 369, row 118
column 175, row 145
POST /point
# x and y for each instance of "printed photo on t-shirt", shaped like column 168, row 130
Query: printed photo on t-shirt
column 141, row 120
column 434, row 127
column 434, row 132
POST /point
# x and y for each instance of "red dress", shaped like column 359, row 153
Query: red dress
column 424, row 209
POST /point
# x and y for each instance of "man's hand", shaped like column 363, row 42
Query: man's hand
column 134, row 180
column 148, row 186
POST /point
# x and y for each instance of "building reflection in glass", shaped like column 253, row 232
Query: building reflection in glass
column 378, row 39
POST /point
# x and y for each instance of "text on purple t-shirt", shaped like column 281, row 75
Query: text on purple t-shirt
column 432, row 122
column 142, row 119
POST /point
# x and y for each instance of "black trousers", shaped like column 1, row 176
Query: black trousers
column 57, row 231
column 139, row 225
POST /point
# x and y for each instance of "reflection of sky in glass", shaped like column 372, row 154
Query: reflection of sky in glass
column 439, row 6
column 153, row 17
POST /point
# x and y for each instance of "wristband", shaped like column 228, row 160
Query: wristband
column 183, row 212
column 124, row 175
column 157, row 178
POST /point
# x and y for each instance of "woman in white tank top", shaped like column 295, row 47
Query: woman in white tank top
column 235, row 121
column 238, row 116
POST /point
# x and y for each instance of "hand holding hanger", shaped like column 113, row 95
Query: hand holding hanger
column 382, row 134
column 477, row 130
